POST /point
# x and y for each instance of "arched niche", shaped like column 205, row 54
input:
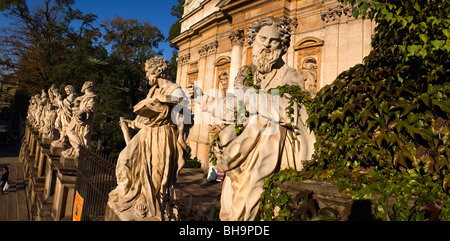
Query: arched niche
column 309, row 59
column 222, row 78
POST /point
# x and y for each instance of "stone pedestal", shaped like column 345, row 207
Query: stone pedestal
column 68, row 162
column 45, row 199
column 34, row 188
column 36, row 172
column 64, row 193
column 46, row 141
column 56, row 149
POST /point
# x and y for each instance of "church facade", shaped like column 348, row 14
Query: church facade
column 325, row 40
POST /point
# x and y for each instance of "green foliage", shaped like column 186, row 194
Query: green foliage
column 382, row 127
column 212, row 145
column 175, row 30
column 192, row 164
column 132, row 40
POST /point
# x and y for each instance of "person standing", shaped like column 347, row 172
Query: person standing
column 4, row 178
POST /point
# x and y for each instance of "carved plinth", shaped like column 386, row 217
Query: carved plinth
column 69, row 162
column 64, row 195
column 46, row 141
column 56, row 149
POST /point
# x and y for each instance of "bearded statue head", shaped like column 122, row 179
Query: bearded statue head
column 270, row 39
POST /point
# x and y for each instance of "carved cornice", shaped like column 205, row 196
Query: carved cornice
column 292, row 23
column 335, row 13
column 208, row 49
column 184, row 59
column 233, row 7
column 237, row 37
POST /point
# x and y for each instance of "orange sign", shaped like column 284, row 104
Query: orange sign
column 77, row 207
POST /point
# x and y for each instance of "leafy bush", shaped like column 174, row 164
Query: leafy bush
column 382, row 127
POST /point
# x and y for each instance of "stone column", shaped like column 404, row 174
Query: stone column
column 237, row 41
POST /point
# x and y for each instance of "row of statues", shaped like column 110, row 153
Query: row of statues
column 151, row 161
column 148, row 166
column 59, row 119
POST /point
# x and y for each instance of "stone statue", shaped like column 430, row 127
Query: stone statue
column 267, row 142
column 51, row 110
column 309, row 71
column 64, row 115
column 79, row 130
column 42, row 111
column 35, row 110
column 223, row 82
column 32, row 109
column 150, row 163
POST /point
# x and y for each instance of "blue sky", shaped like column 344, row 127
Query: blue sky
column 156, row 12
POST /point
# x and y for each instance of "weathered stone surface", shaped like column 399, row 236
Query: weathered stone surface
column 149, row 165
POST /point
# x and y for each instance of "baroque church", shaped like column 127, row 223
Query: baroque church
column 325, row 40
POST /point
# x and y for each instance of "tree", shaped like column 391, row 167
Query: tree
column 57, row 44
column 132, row 43
column 40, row 46
column 175, row 30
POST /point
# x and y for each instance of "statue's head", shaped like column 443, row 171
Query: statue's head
column 270, row 39
column 88, row 86
column 55, row 92
column 44, row 95
column 155, row 68
column 69, row 89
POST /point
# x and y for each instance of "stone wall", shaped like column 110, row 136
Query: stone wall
column 51, row 182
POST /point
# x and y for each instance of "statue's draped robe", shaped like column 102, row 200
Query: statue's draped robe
column 149, row 163
column 64, row 115
column 264, row 147
column 80, row 132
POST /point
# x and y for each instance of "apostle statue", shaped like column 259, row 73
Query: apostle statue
column 268, row 140
column 32, row 109
column 149, row 165
column 79, row 130
column 64, row 115
column 51, row 110
column 42, row 111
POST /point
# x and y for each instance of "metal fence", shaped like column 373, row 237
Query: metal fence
column 96, row 178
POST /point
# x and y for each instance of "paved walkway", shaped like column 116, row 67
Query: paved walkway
column 13, row 205
column 194, row 187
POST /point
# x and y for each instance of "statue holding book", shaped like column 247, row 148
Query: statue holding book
column 149, row 165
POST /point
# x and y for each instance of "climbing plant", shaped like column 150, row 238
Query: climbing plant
column 382, row 127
